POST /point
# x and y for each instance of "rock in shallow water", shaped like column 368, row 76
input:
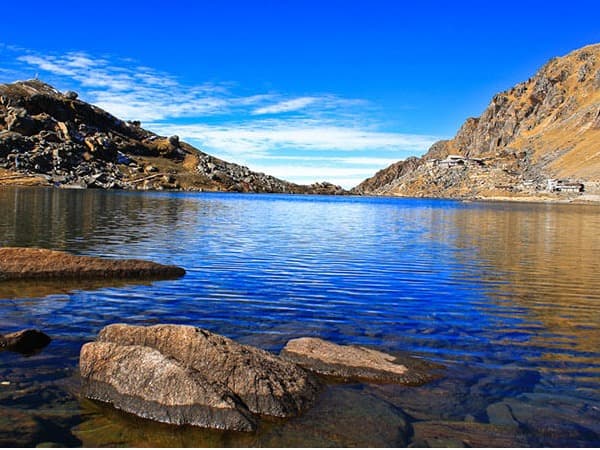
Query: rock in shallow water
column 25, row 341
column 464, row 434
column 125, row 367
column 145, row 382
column 36, row 263
column 354, row 362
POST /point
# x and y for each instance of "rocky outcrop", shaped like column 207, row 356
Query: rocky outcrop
column 235, row 379
column 545, row 127
column 27, row 341
column 60, row 140
column 34, row 263
column 356, row 363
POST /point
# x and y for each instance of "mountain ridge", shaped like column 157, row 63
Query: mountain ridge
column 547, row 127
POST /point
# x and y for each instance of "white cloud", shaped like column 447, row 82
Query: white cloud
column 286, row 106
column 258, row 137
column 264, row 145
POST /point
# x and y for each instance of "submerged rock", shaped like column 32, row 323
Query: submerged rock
column 466, row 434
column 25, row 341
column 35, row 263
column 354, row 362
column 202, row 362
column 344, row 416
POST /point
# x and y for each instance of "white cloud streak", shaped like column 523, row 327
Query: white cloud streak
column 285, row 106
column 258, row 137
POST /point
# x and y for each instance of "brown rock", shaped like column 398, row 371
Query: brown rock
column 143, row 381
column 353, row 362
column 265, row 383
column 24, row 341
column 32, row 263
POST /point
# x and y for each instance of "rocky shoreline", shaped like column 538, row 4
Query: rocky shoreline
column 51, row 138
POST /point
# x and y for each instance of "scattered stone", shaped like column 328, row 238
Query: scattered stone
column 32, row 263
column 354, row 362
column 71, row 95
column 25, row 341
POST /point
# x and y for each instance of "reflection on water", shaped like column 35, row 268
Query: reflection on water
column 506, row 295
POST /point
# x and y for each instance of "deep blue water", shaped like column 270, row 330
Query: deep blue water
column 487, row 289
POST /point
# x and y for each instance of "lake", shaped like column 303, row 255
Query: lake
column 505, row 296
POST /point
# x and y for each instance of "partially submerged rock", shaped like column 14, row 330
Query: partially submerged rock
column 116, row 369
column 354, row 362
column 25, row 341
column 145, row 382
column 35, row 263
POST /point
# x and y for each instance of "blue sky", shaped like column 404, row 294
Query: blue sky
column 307, row 91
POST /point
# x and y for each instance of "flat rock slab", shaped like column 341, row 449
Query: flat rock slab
column 121, row 365
column 356, row 363
column 34, row 263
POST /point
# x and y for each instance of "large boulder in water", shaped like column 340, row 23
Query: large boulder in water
column 261, row 382
column 357, row 363
column 143, row 381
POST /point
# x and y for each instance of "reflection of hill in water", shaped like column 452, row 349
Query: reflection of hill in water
column 79, row 220
column 545, row 258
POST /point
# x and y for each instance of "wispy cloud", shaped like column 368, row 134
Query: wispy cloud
column 304, row 138
column 260, row 136
column 134, row 92
column 286, row 106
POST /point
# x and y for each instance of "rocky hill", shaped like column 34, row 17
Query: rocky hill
column 547, row 127
column 53, row 138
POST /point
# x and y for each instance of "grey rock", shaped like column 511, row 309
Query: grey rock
column 354, row 362
column 143, row 381
column 265, row 383
column 501, row 414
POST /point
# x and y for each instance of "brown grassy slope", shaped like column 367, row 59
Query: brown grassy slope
column 545, row 127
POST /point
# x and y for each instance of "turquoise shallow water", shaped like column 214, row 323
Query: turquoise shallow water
column 506, row 296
